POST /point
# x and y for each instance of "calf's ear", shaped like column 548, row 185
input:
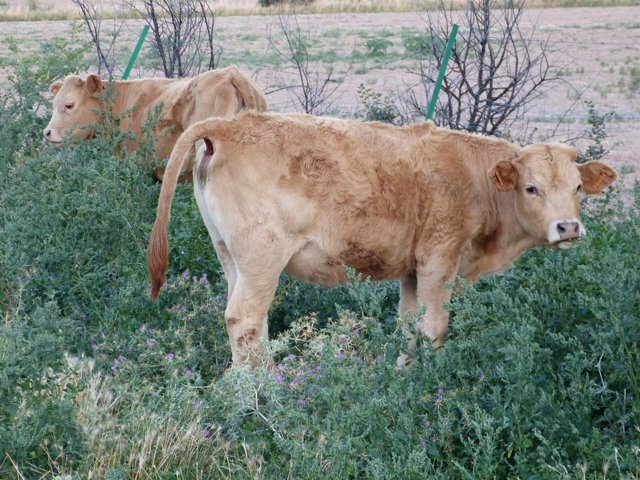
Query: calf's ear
column 94, row 84
column 55, row 87
column 596, row 176
column 504, row 175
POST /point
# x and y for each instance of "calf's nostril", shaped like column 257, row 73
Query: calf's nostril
column 568, row 230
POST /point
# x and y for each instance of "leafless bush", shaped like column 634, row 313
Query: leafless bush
column 494, row 73
column 182, row 34
column 92, row 13
column 316, row 83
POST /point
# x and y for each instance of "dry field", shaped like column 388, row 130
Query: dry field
column 596, row 51
column 65, row 9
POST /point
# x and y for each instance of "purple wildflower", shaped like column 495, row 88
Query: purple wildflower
column 301, row 401
column 296, row 380
column 340, row 355
column 114, row 368
column 281, row 368
column 185, row 274
column 120, row 359
column 151, row 343
column 103, row 356
column 278, row 378
column 94, row 346
column 197, row 404
column 291, row 356
column 440, row 390
column 170, row 356
column 144, row 327
column 188, row 372
column 204, row 278
column 207, row 433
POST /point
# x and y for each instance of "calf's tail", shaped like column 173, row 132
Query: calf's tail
column 158, row 249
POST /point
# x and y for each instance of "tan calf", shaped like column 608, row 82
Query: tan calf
column 422, row 204
column 77, row 104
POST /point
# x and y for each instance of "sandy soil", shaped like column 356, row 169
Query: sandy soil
column 597, row 51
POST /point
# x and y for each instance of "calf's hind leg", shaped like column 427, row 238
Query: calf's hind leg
column 249, row 298
column 246, row 317
column 260, row 255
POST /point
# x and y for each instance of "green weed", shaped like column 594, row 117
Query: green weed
column 376, row 107
column 419, row 45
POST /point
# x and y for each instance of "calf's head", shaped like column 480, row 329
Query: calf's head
column 76, row 104
column 546, row 183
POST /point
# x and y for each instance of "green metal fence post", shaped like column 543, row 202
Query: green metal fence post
column 135, row 52
column 443, row 68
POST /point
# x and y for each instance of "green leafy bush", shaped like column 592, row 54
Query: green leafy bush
column 376, row 107
column 420, row 45
column 377, row 47
column 597, row 134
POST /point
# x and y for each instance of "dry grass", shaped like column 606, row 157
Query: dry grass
column 32, row 10
column 124, row 432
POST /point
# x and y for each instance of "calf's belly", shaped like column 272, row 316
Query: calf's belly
column 312, row 264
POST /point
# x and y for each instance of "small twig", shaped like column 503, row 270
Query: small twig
column 15, row 467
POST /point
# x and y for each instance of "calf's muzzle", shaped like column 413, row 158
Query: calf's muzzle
column 568, row 230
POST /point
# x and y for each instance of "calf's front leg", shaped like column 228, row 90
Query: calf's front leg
column 433, row 275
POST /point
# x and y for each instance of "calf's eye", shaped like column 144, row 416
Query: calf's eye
column 579, row 189
column 68, row 106
column 531, row 190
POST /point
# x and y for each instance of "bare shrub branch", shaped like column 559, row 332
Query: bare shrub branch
column 182, row 34
column 494, row 73
column 92, row 13
column 317, row 82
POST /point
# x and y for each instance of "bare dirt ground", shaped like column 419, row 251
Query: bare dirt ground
column 596, row 51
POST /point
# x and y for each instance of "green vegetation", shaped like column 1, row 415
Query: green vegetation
column 377, row 47
column 376, row 107
column 629, row 83
column 418, row 44
column 538, row 378
column 597, row 134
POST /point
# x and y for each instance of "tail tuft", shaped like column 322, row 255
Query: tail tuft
column 157, row 258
